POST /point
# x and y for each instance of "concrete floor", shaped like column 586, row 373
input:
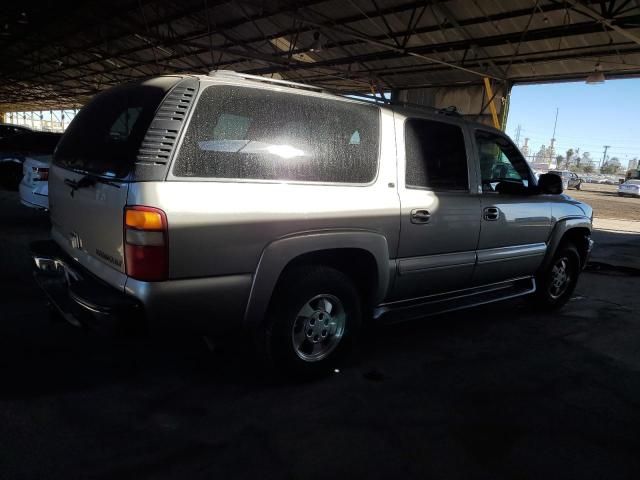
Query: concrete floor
column 496, row 392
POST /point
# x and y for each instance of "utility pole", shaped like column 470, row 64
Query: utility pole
column 604, row 155
column 518, row 137
column 555, row 124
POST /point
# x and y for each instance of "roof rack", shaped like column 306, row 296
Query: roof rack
column 258, row 78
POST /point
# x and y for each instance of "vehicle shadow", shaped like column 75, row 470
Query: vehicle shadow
column 40, row 357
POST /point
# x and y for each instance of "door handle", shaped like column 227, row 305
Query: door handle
column 420, row 215
column 491, row 214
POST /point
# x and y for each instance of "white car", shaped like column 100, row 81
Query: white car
column 34, row 187
column 630, row 187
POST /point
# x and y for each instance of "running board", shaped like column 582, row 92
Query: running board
column 441, row 303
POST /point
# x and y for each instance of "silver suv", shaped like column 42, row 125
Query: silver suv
column 236, row 202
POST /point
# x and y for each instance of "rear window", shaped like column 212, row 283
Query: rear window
column 249, row 133
column 104, row 137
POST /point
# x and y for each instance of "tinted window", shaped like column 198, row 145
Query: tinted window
column 436, row 155
column 105, row 135
column 500, row 161
column 248, row 133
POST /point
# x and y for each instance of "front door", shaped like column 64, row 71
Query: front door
column 515, row 226
column 440, row 222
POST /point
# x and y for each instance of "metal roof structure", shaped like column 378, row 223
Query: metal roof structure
column 58, row 54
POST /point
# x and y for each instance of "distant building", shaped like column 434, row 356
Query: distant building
column 551, row 153
column 525, row 148
column 633, row 164
column 540, row 161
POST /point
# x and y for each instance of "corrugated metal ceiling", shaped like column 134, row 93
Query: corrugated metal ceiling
column 61, row 54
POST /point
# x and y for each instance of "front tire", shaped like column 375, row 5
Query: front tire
column 558, row 281
column 312, row 321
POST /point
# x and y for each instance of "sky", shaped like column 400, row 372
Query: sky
column 589, row 117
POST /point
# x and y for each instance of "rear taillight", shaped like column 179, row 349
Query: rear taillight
column 39, row 174
column 146, row 243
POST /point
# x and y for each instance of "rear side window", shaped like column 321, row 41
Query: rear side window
column 104, row 138
column 249, row 133
column 436, row 155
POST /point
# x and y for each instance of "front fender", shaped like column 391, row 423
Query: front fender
column 279, row 253
column 557, row 234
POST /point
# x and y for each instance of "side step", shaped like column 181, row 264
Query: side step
column 448, row 302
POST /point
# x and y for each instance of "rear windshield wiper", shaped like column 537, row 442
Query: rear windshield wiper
column 87, row 181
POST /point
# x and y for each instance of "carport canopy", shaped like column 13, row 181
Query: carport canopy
column 439, row 52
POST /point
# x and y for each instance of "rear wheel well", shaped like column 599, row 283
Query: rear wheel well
column 358, row 264
column 579, row 237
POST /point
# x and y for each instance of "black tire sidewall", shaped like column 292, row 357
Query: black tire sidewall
column 298, row 287
column 544, row 278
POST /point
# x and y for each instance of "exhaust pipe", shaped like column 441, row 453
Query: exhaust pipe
column 48, row 265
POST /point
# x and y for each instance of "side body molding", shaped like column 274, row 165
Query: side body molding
column 559, row 230
column 279, row 253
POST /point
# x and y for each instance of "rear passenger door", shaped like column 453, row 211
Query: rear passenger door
column 440, row 216
column 515, row 226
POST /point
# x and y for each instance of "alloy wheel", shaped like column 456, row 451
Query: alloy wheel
column 318, row 327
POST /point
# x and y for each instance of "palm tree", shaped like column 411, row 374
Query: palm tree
column 568, row 157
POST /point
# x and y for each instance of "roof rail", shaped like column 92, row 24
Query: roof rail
column 258, row 78
column 451, row 110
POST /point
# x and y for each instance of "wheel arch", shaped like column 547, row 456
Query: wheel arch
column 576, row 230
column 362, row 255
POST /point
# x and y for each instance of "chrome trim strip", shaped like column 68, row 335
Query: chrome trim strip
column 511, row 253
column 416, row 264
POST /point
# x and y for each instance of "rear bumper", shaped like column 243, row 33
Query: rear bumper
column 81, row 298
column 33, row 196
column 209, row 305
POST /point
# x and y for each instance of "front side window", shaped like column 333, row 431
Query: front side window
column 500, row 161
column 250, row 133
column 436, row 156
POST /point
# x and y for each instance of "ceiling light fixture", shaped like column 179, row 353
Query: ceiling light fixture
column 316, row 46
column 596, row 77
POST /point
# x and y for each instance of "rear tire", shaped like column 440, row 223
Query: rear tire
column 312, row 321
column 556, row 283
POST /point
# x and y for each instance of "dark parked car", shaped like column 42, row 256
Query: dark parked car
column 569, row 179
column 14, row 150
column 7, row 130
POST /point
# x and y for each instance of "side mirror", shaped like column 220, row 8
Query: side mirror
column 550, row 183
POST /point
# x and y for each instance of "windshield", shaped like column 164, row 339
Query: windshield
column 633, row 182
column 105, row 136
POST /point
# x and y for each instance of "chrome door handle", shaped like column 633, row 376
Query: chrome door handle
column 420, row 215
column 491, row 214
